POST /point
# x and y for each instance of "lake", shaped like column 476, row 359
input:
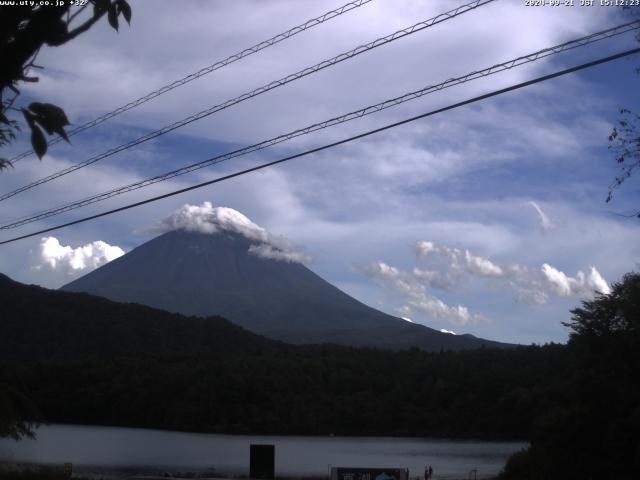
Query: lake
column 229, row 454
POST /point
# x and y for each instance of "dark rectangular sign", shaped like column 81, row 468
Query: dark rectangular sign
column 262, row 460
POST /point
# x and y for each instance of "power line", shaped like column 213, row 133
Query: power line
column 334, row 144
column 580, row 42
column 206, row 70
column 265, row 88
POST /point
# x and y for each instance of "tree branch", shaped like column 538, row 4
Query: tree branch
column 82, row 28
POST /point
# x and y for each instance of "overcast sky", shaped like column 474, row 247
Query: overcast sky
column 488, row 219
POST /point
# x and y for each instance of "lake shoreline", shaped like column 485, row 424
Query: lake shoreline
column 103, row 450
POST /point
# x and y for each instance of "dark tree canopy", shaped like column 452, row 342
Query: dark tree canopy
column 617, row 313
column 593, row 429
column 24, row 30
column 18, row 413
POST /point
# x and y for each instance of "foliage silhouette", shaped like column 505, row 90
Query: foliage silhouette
column 593, row 430
column 24, row 30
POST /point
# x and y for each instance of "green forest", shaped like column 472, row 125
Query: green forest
column 577, row 404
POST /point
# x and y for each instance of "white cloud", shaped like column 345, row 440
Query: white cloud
column 67, row 263
column 481, row 266
column 458, row 260
column 451, row 332
column 435, row 307
column 275, row 253
column 448, row 267
column 208, row 219
column 581, row 284
column 423, row 248
column 447, row 280
column 211, row 220
column 545, row 222
column 533, row 287
column 415, row 295
column 382, row 271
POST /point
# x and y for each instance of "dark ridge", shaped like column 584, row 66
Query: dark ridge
column 38, row 323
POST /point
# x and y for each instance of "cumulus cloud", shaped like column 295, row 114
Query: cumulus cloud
column 68, row 262
column 437, row 279
column 581, row 284
column 212, row 220
column 529, row 286
column 543, row 219
column 435, row 307
column 448, row 266
column 458, row 260
column 537, row 287
column 415, row 295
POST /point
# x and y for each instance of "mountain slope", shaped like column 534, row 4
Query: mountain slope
column 216, row 274
column 38, row 323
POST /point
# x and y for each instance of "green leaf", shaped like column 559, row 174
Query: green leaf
column 112, row 15
column 38, row 141
column 126, row 10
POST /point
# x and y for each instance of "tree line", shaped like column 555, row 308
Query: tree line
column 577, row 404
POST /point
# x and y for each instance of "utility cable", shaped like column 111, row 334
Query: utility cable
column 580, row 42
column 206, row 70
column 334, row 144
column 265, row 88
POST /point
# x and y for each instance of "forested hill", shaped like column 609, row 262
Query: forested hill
column 38, row 323
column 312, row 390
column 85, row 359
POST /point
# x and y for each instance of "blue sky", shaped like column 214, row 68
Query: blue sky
column 499, row 188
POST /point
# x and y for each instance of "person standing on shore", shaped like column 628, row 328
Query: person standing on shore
column 428, row 471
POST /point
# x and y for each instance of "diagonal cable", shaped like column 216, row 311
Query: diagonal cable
column 206, row 70
column 580, row 42
column 332, row 145
column 265, row 88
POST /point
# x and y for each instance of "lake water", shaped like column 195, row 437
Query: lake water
column 229, row 454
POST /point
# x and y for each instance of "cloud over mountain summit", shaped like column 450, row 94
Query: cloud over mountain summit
column 212, row 220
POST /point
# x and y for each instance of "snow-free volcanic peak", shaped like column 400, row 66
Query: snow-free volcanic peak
column 215, row 261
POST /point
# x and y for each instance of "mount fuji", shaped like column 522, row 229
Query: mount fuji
column 215, row 261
